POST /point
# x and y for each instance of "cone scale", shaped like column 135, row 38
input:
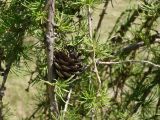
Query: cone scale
column 67, row 63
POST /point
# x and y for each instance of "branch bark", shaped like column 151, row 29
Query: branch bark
column 128, row 49
column 2, row 89
column 49, row 44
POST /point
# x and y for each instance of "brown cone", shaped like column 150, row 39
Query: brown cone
column 67, row 63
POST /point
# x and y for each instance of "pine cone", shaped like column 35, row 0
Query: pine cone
column 67, row 63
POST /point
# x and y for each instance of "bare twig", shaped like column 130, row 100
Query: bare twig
column 34, row 113
column 67, row 102
column 90, row 22
column 120, row 28
column 96, row 70
column 129, row 61
column 49, row 42
column 153, row 39
column 91, row 37
column 101, row 17
column 30, row 81
column 94, row 54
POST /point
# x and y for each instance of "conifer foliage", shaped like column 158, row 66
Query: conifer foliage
column 83, row 77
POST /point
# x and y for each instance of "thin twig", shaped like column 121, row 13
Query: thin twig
column 35, row 112
column 67, row 102
column 30, row 80
column 101, row 17
column 153, row 39
column 93, row 56
column 91, row 37
column 90, row 22
column 129, row 61
column 96, row 71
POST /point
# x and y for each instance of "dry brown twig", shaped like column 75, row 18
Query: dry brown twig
column 67, row 103
column 128, row 61
column 93, row 55
column 102, row 14
column 91, row 37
